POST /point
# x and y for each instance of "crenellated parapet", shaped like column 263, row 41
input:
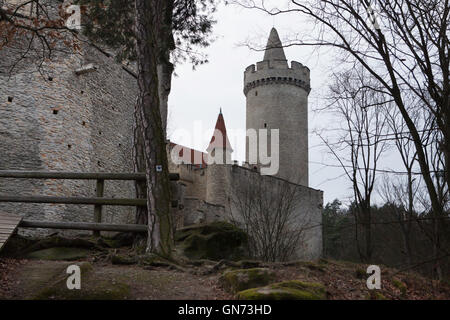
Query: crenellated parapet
column 276, row 72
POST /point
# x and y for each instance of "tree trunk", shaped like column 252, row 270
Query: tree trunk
column 153, row 24
column 139, row 165
column 165, row 70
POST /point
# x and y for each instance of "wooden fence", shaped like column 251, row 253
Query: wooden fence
column 98, row 201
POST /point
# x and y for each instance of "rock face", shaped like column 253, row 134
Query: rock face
column 59, row 253
column 287, row 290
column 242, row 279
column 215, row 241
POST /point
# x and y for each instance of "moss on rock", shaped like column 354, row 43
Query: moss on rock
column 218, row 240
column 287, row 290
column 90, row 290
column 400, row 285
column 242, row 279
column 122, row 260
column 376, row 295
column 102, row 291
column 59, row 253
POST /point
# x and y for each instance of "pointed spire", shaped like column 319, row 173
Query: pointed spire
column 274, row 48
column 217, row 142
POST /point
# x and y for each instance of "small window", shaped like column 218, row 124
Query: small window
column 265, row 125
column 55, row 111
column 256, row 93
column 10, row 99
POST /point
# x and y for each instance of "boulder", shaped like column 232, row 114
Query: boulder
column 242, row 279
column 287, row 290
column 59, row 253
column 90, row 290
column 215, row 241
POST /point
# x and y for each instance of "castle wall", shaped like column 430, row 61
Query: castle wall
column 79, row 123
column 217, row 191
column 199, row 211
column 195, row 179
column 307, row 215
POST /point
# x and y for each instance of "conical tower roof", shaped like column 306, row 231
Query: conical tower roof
column 274, row 48
column 220, row 141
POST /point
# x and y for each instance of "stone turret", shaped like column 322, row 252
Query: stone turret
column 277, row 98
column 219, row 161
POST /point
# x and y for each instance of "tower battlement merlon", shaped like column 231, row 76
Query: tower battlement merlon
column 274, row 68
column 264, row 73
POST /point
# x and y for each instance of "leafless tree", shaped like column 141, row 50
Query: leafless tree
column 269, row 211
column 359, row 145
column 34, row 32
column 403, row 44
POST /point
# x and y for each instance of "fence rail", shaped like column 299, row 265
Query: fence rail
column 75, row 200
column 99, row 201
column 83, row 226
column 78, row 175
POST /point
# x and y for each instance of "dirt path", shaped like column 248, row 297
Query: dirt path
column 36, row 279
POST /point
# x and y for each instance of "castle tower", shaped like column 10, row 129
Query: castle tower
column 219, row 160
column 277, row 98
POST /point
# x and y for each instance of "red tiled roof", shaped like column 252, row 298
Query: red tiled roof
column 222, row 141
column 191, row 156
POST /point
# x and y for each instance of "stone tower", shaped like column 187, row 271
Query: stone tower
column 277, row 98
column 219, row 161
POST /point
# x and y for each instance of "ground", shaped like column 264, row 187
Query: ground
column 41, row 279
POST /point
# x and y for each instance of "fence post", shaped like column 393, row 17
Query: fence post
column 98, row 208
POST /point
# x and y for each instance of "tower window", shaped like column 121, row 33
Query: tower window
column 265, row 125
column 256, row 93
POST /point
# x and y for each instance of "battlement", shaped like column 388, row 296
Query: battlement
column 276, row 72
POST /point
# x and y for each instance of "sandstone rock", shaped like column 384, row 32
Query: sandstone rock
column 215, row 241
column 59, row 253
column 287, row 290
column 242, row 279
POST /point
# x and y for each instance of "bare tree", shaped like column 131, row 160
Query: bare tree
column 34, row 32
column 269, row 211
column 403, row 44
column 359, row 146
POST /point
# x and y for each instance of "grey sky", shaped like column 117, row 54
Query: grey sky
column 198, row 95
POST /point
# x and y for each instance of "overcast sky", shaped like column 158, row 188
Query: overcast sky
column 198, row 95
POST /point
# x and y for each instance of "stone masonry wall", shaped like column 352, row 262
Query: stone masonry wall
column 307, row 214
column 61, row 121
